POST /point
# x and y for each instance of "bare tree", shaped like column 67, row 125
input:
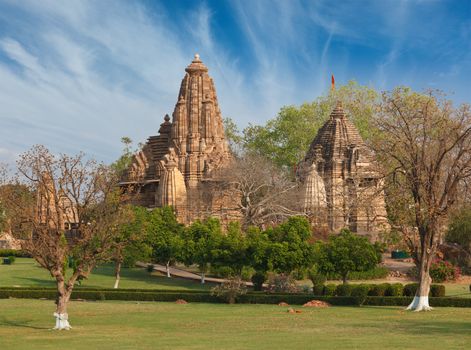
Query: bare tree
column 265, row 194
column 72, row 217
column 425, row 143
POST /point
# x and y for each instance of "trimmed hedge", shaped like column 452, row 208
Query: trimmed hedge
column 358, row 297
column 12, row 252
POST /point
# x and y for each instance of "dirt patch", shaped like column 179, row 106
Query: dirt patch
column 181, row 301
column 283, row 304
column 316, row 303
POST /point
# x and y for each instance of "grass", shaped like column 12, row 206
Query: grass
column 24, row 324
column 26, row 272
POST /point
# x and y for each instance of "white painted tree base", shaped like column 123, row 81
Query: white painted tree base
column 420, row 304
column 62, row 321
column 116, row 284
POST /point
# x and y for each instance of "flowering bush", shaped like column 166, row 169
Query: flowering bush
column 442, row 271
column 230, row 289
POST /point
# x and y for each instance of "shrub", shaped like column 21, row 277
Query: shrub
column 436, row 290
column 258, row 279
column 13, row 252
column 360, row 292
column 318, row 289
column 395, row 290
column 410, row 289
column 150, row 268
column 12, row 259
column 379, row 290
column 230, row 290
column 343, row 290
column 442, row 271
column 299, row 274
column 222, row 271
column 329, row 289
column 282, row 283
column 316, row 277
column 247, row 273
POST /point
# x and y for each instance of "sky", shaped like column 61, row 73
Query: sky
column 79, row 75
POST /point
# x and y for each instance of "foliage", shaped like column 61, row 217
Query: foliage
column 444, row 271
column 316, row 277
column 290, row 248
column 345, row 253
column 424, row 145
column 282, row 283
column 286, row 138
column 13, row 252
column 360, row 293
column 344, row 290
column 12, row 259
column 202, row 240
column 258, row 279
column 124, row 161
column 459, row 232
column 164, row 234
column 230, row 289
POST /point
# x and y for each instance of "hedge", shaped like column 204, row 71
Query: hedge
column 12, row 252
column 357, row 298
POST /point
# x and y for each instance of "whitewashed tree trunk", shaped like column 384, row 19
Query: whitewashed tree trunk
column 117, row 275
column 420, row 301
column 167, row 266
column 62, row 318
column 202, row 277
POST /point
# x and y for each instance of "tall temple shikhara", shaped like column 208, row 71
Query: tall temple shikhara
column 177, row 166
column 340, row 179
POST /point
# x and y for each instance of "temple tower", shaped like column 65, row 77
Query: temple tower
column 353, row 187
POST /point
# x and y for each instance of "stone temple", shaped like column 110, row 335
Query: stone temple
column 177, row 166
column 340, row 182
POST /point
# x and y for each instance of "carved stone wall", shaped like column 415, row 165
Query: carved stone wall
column 353, row 187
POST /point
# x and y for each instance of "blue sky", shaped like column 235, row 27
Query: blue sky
column 78, row 75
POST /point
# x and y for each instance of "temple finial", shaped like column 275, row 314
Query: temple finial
column 333, row 83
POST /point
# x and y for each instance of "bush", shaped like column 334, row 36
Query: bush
column 442, row 271
column 316, row 277
column 299, row 274
column 222, row 271
column 377, row 272
column 343, row 290
column 329, row 290
column 230, row 290
column 150, row 268
column 395, row 290
column 379, row 290
column 318, row 289
column 360, row 292
column 436, row 290
column 258, row 279
column 282, row 283
column 15, row 253
column 12, row 259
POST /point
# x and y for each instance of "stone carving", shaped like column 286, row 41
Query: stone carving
column 172, row 190
column 353, row 187
column 177, row 167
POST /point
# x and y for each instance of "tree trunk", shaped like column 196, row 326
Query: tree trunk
column 167, row 266
column 63, row 296
column 117, row 272
column 202, row 277
column 420, row 301
column 344, row 279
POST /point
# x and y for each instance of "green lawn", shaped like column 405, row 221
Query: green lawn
column 24, row 324
column 25, row 272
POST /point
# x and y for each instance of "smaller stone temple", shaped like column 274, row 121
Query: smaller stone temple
column 340, row 182
column 177, row 167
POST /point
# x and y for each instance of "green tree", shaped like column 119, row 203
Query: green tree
column 233, row 250
column 124, row 161
column 286, row 138
column 345, row 253
column 289, row 247
column 201, row 243
column 164, row 234
column 459, row 232
column 130, row 244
